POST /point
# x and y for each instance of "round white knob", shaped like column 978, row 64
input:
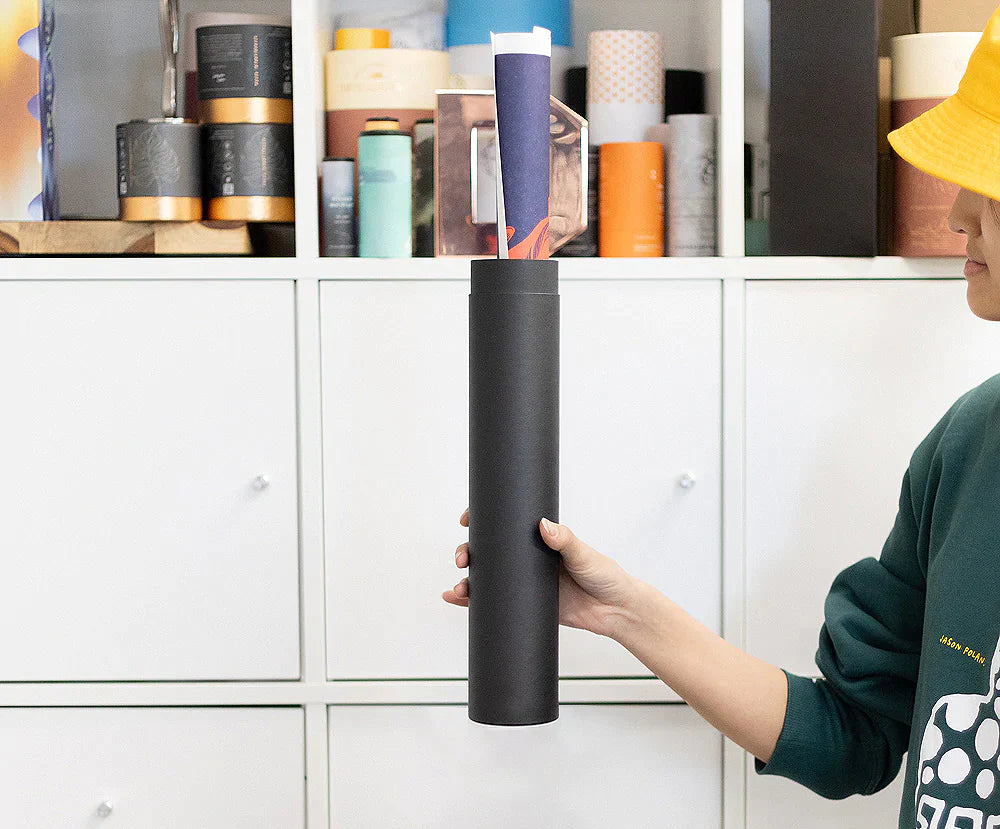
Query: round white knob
column 262, row 482
column 105, row 808
column 687, row 481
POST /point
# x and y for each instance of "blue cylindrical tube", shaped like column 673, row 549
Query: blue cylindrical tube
column 385, row 184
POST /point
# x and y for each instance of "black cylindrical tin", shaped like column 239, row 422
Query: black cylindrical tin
column 513, row 483
column 249, row 172
column 245, row 74
column 159, row 170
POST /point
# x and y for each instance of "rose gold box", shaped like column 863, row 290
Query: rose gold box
column 465, row 219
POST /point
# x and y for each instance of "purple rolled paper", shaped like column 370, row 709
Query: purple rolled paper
column 522, row 63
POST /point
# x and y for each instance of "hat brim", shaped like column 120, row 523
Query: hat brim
column 954, row 142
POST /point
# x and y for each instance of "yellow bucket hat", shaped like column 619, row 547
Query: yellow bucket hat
column 959, row 139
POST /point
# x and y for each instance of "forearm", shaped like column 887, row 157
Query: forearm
column 743, row 697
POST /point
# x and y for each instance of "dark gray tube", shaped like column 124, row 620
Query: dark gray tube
column 513, row 483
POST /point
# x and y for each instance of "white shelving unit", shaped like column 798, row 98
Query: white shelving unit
column 743, row 316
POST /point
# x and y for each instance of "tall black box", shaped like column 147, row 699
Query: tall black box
column 824, row 128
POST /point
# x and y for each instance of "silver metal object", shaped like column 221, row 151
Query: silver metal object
column 169, row 42
column 105, row 809
column 687, row 481
column 262, row 482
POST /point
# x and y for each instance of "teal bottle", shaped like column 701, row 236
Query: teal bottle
column 385, row 194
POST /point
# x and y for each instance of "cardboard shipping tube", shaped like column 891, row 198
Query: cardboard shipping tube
column 513, row 484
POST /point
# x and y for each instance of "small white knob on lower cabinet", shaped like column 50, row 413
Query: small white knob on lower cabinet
column 261, row 482
column 687, row 481
column 105, row 809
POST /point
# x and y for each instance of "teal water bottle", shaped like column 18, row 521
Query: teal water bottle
column 385, row 193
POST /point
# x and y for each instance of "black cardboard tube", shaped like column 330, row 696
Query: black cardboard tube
column 513, row 483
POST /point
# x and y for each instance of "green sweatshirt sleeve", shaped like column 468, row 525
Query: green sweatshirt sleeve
column 847, row 732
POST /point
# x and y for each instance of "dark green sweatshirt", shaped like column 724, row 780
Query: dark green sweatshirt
column 909, row 651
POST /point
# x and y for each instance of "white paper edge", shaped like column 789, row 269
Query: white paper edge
column 503, row 252
column 536, row 42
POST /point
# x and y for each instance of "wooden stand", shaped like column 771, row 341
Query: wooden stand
column 136, row 238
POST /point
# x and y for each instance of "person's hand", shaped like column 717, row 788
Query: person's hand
column 594, row 590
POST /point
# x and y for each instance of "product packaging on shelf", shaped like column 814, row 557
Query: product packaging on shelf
column 245, row 106
column 624, row 84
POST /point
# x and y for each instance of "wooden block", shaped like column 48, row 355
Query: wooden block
column 136, row 238
column 202, row 237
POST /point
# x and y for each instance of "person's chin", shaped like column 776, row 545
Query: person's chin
column 984, row 299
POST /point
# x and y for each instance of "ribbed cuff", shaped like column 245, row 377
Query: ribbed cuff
column 795, row 750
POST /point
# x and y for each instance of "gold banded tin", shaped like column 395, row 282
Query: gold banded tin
column 244, row 74
column 159, row 170
column 249, row 172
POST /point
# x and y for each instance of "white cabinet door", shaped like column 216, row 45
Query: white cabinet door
column 596, row 767
column 775, row 802
column 155, row 768
column 640, row 407
column 844, row 379
column 136, row 417
column 396, row 475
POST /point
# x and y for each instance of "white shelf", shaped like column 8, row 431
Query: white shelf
column 390, row 692
column 736, row 267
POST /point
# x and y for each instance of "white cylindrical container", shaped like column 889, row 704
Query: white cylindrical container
column 624, row 84
column 660, row 133
column 691, row 189
column 930, row 65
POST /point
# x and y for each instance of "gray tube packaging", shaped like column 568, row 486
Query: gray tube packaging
column 513, row 483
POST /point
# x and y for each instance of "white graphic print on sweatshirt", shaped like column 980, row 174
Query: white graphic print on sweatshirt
column 958, row 783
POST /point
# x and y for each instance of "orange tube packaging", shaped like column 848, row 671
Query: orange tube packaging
column 630, row 196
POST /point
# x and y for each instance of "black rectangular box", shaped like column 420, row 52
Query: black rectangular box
column 823, row 128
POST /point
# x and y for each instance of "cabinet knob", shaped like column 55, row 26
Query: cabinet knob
column 262, row 482
column 687, row 481
column 105, row 809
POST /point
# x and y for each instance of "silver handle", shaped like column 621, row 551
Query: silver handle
column 105, row 809
column 169, row 42
column 261, row 482
column 687, row 481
